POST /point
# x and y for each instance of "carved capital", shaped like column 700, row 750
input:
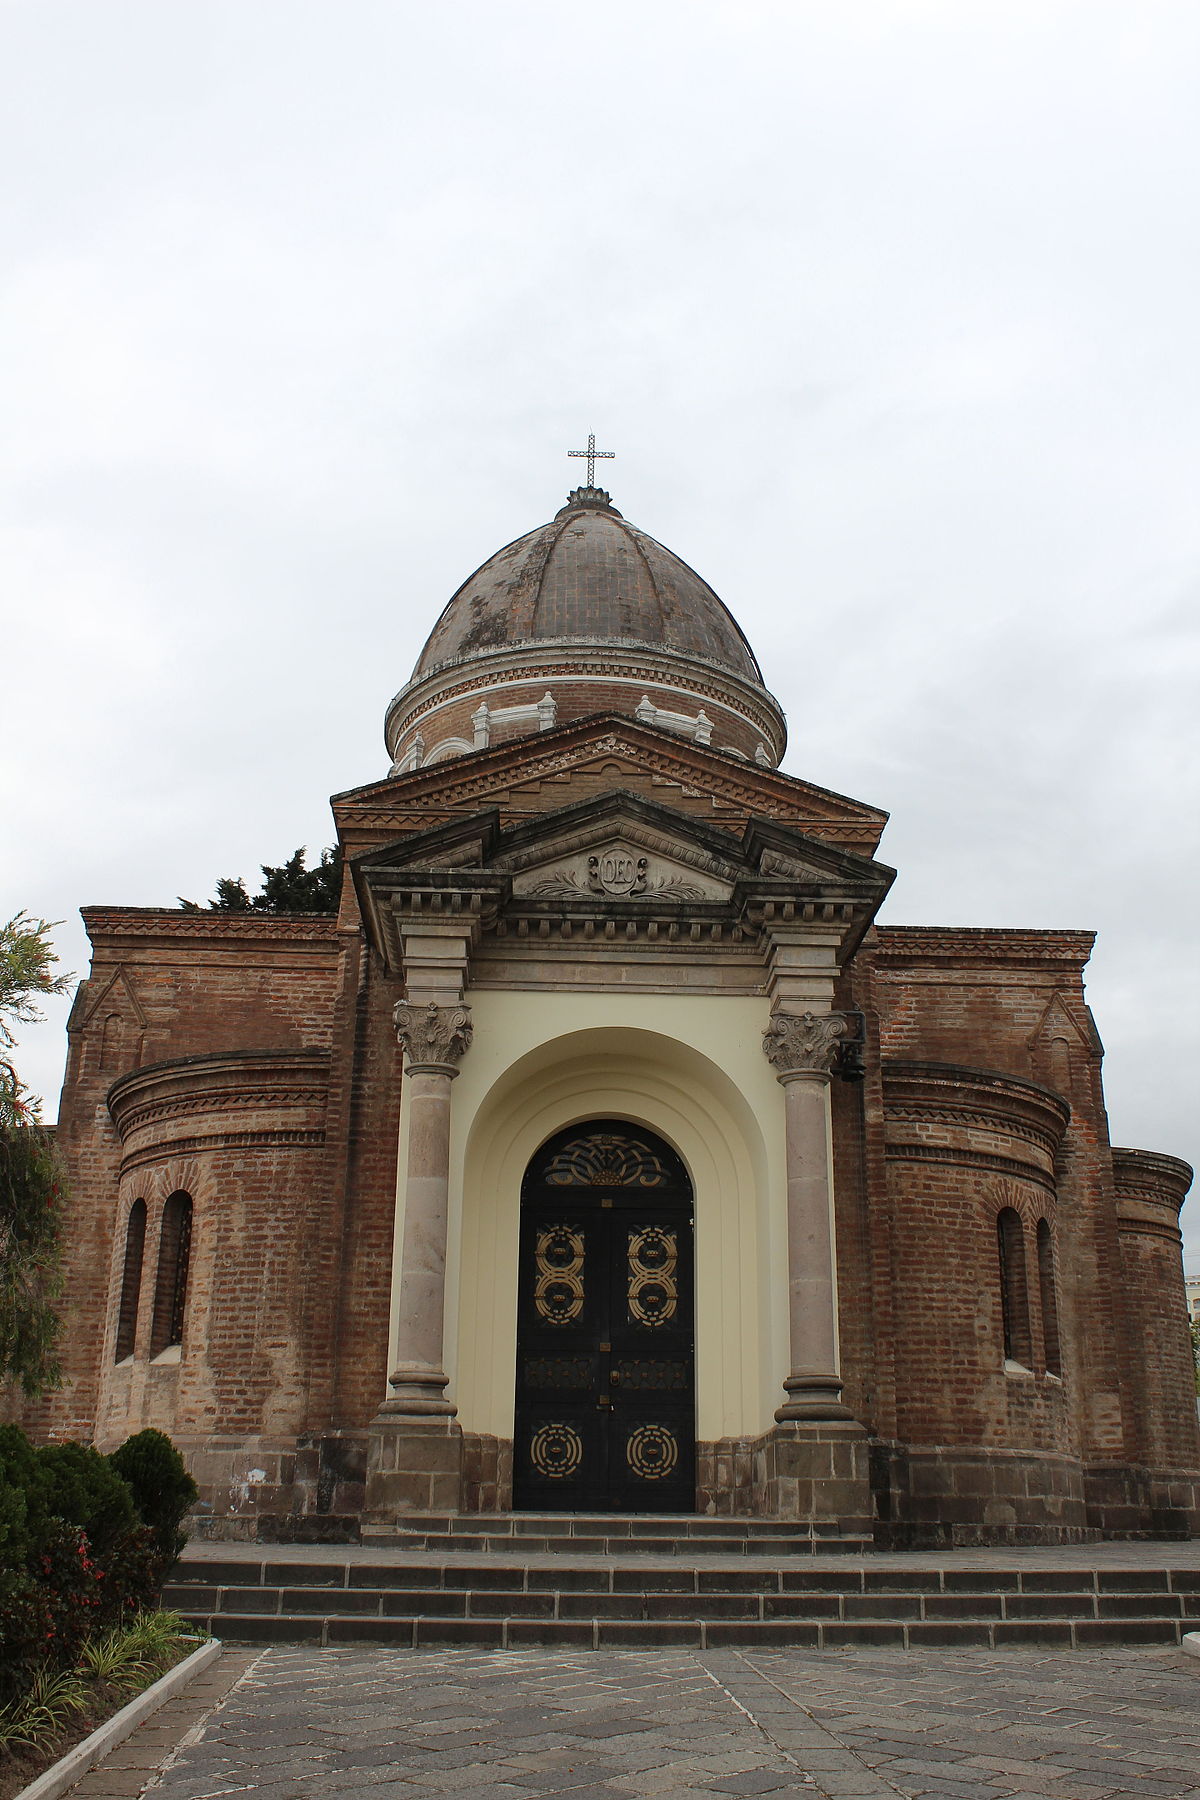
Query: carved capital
column 804, row 1043
column 432, row 1036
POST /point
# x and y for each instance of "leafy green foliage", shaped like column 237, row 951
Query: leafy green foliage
column 290, row 887
column 35, row 1720
column 161, row 1487
column 83, row 1549
column 32, row 1196
column 26, row 973
column 82, row 1487
column 26, row 962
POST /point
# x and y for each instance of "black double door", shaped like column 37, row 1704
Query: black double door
column 605, row 1358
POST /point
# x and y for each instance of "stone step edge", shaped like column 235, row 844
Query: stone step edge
column 420, row 1632
column 639, row 1609
column 521, row 1577
column 621, row 1546
column 612, row 1523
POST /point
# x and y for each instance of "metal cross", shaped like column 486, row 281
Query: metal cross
column 591, row 453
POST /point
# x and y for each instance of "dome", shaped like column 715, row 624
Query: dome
column 585, row 616
column 588, row 575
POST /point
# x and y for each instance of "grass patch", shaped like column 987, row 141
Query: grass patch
column 62, row 1707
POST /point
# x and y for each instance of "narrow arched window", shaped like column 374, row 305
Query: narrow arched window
column 1049, row 1295
column 131, row 1280
column 170, row 1284
column 1014, row 1292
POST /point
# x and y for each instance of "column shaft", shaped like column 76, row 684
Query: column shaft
column 418, row 1380
column 814, row 1382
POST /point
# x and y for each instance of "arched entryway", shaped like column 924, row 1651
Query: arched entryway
column 605, row 1404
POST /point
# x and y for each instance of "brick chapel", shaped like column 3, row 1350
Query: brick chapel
column 603, row 1153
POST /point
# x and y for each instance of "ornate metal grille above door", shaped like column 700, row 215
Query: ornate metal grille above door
column 605, row 1351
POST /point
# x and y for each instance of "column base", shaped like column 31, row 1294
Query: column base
column 813, row 1394
column 418, row 1391
column 414, row 1465
column 818, row 1469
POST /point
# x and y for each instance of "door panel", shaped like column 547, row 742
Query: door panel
column 605, row 1360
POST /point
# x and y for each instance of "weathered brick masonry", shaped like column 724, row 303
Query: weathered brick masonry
column 1009, row 1287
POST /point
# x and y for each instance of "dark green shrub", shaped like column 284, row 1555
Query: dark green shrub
column 81, row 1487
column 26, row 1634
column 134, row 1571
column 161, row 1487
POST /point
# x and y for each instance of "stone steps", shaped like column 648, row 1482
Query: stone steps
column 516, row 1601
column 612, row 1534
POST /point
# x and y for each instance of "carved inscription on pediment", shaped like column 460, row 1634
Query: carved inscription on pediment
column 617, row 871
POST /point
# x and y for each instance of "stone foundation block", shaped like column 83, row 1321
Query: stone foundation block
column 816, row 1470
column 413, row 1465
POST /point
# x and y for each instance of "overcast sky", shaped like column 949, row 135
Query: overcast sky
column 890, row 313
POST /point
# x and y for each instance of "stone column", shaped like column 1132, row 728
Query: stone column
column 815, row 1465
column 415, row 1455
column 801, row 1048
column 434, row 1039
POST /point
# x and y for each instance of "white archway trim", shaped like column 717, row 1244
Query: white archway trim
column 689, row 1067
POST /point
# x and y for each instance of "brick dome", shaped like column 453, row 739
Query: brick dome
column 585, row 615
column 589, row 574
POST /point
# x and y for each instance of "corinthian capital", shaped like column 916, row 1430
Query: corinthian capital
column 432, row 1035
column 804, row 1043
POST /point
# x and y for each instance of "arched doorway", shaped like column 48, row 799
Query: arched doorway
column 605, row 1414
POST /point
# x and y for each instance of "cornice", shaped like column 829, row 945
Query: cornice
column 754, row 720
column 589, row 659
column 1151, row 1176
column 147, row 921
column 937, row 943
column 223, row 1082
column 938, row 1090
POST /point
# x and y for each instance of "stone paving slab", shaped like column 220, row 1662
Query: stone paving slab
column 298, row 1722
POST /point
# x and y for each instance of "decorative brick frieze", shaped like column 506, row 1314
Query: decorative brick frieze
column 942, row 1110
column 273, row 1096
column 961, row 1157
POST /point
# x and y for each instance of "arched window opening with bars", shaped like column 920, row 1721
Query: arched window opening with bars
column 170, row 1285
column 1049, row 1296
column 1014, row 1290
column 131, row 1280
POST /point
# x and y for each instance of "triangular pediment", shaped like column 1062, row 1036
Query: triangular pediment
column 616, row 854
column 590, row 757
column 1070, row 1019
column 118, row 995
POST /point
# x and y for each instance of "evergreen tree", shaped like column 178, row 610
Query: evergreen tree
column 289, row 888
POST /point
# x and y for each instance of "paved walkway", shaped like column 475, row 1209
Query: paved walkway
column 298, row 1723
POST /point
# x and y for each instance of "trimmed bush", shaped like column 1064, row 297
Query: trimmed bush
column 83, row 1488
column 85, row 1544
column 161, row 1487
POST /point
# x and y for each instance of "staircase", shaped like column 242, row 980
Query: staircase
column 605, row 1581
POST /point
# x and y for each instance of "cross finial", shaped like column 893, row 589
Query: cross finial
column 591, row 453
